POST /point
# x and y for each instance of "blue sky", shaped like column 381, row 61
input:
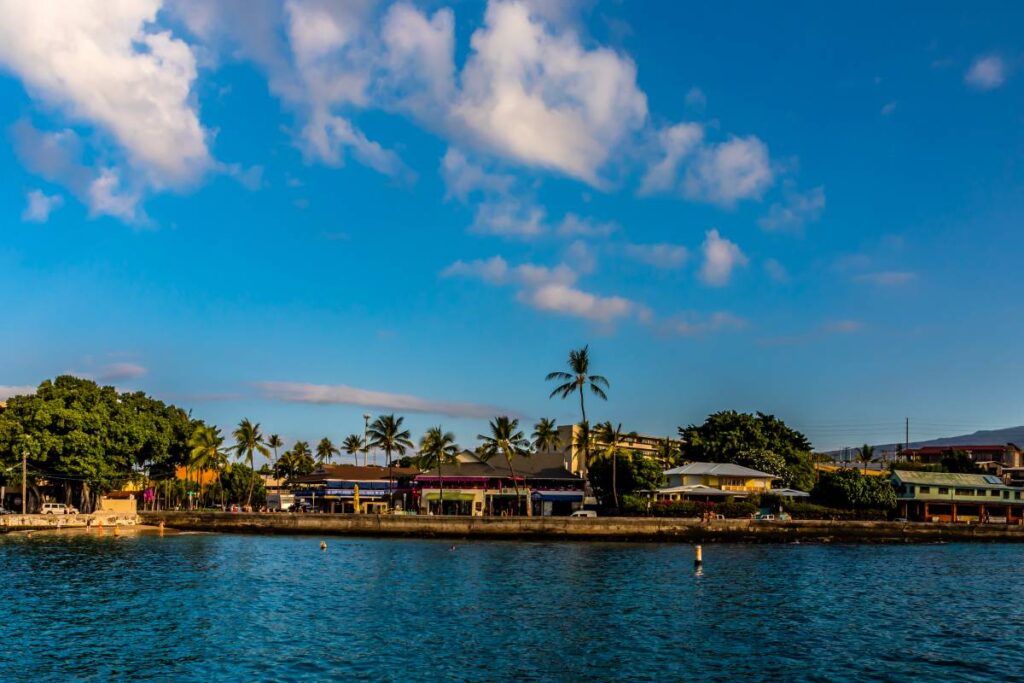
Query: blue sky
column 306, row 211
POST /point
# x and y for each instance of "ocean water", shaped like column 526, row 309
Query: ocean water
column 204, row 607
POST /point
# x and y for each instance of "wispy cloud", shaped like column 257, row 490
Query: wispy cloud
column 9, row 390
column 575, row 226
column 40, row 205
column 886, row 278
column 567, row 300
column 798, row 209
column 659, row 255
column 826, row 329
column 986, row 73
column 721, row 257
column 776, row 271
column 696, row 325
column 341, row 394
column 119, row 372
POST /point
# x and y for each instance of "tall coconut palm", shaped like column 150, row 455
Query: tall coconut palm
column 353, row 445
column 545, row 436
column 248, row 442
column 865, row 454
column 667, row 452
column 274, row 441
column 325, row 450
column 609, row 442
column 205, row 452
column 505, row 438
column 386, row 433
column 437, row 448
column 575, row 381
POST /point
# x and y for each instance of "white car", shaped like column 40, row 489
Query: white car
column 58, row 509
column 584, row 513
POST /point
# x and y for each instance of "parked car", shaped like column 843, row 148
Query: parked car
column 58, row 509
column 584, row 513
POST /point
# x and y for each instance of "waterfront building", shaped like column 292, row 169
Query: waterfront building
column 953, row 497
column 355, row 488
column 471, row 486
column 643, row 444
column 1007, row 455
column 709, row 481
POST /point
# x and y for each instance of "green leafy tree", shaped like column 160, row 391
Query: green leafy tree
column 505, row 438
column 849, row 489
column 242, row 484
column 326, row 450
column 634, row 472
column 353, row 445
column 294, row 463
column 248, row 442
column 437, row 448
column 667, row 452
column 575, row 381
column 386, row 433
column 958, row 461
column 207, row 454
column 609, row 447
column 545, row 436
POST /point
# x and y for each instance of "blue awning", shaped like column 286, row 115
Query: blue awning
column 567, row 496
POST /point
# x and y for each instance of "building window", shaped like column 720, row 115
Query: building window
column 995, row 493
column 1016, row 495
column 1006, row 495
column 923, row 489
column 943, row 491
column 965, row 492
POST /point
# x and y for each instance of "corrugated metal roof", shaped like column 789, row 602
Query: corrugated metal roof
column 952, row 479
column 719, row 469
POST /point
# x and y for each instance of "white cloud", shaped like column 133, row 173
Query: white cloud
column 776, row 271
column 9, row 390
column 327, row 136
column 108, row 197
column 798, row 209
column 497, row 271
column 341, row 394
column 842, row 327
column 729, row 171
column 420, row 56
column 886, row 278
column 986, row 73
column 463, row 178
column 543, row 99
column 676, row 143
column 721, row 257
column 696, row 99
column 581, row 256
column 566, row 300
column 40, row 205
column 660, row 255
column 509, row 218
column 695, row 325
column 102, row 63
column 888, row 108
column 573, row 226
column 118, row 372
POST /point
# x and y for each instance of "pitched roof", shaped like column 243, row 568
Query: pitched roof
column 719, row 469
column 355, row 473
column 951, row 479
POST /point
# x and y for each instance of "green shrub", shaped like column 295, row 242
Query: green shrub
column 735, row 509
column 812, row 511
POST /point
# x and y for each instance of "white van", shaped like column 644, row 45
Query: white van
column 584, row 513
column 58, row 509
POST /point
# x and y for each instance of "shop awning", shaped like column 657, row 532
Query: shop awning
column 450, row 495
column 568, row 496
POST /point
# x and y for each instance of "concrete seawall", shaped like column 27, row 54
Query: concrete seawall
column 18, row 522
column 586, row 529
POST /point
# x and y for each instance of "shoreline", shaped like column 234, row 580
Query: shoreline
column 637, row 529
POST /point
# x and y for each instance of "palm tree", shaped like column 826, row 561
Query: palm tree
column 667, row 452
column 505, row 438
column 386, row 432
column 576, row 381
column 205, row 452
column 274, row 441
column 325, row 450
column 249, row 441
column 865, row 454
column 609, row 441
column 352, row 445
column 545, row 436
column 437, row 447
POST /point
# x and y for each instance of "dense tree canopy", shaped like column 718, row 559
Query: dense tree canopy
column 849, row 489
column 762, row 442
column 634, row 472
column 91, row 437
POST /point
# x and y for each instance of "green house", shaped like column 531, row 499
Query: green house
column 953, row 497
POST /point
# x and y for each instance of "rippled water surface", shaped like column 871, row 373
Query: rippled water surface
column 245, row 608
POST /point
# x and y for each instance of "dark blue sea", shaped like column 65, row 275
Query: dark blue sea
column 203, row 607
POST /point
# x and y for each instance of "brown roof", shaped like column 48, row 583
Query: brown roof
column 355, row 473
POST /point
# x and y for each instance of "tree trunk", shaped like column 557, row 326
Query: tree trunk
column 440, row 478
column 252, row 480
column 615, row 481
column 586, row 442
column 512, row 472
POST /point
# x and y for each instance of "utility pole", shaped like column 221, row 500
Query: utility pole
column 24, row 480
column 366, row 439
column 906, row 436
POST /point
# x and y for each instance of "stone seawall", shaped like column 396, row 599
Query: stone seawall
column 586, row 529
column 33, row 522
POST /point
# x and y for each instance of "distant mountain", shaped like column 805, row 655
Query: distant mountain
column 985, row 437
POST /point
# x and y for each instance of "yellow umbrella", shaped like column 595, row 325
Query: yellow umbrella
column 355, row 499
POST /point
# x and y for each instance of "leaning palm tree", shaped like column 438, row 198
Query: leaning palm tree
column 576, row 381
column 545, row 436
column 205, row 451
column 386, row 433
column 353, row 445
column 325, row 450
column 274, row 441
column 437, row 447
column 505, row 438
column 248, row 442
column 865, row 454
column 609, row 441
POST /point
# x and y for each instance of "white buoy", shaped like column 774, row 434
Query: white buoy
column 323, row 545
column 698, row 557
